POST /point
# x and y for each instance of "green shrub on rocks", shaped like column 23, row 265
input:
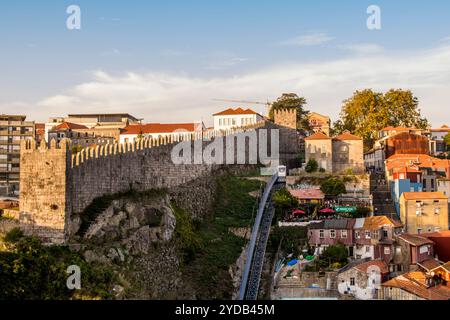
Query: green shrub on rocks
column 32, row 271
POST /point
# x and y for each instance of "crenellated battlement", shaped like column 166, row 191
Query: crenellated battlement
column 96, row 152
column 286, row 118
column 57, row 184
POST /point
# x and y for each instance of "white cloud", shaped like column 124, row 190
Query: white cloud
column 224, row 62
column 179, row 97
column 363, row 48
column 307, row 40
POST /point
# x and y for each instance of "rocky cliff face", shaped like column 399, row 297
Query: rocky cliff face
column 137, row 237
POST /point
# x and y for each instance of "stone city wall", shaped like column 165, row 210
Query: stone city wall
column 55, row 184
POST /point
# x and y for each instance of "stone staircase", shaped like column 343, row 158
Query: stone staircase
column 382, row 200
column 96, row 208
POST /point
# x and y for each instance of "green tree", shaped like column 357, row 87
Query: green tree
column 284, row 199
column 29, row 270
column 284, row 202
column 333, row 255
column 312, row 166
column 367, row 112
column 447, row 141
column 333, row 187
column 292, row 101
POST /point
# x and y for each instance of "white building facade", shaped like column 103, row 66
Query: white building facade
column 232, row 118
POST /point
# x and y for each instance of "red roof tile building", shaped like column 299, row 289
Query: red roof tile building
column 337, row 154
column 362, row 279
column 80, row 135
column 156, row 130
column 233, row 118
column 414, row 286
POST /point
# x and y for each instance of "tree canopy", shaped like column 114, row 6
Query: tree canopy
column 447, row 141
column 333, row 187
column 312, row 166
column 367, row 112
column 292, row 101
column 332, row 255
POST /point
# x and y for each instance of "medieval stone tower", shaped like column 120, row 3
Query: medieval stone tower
column 286, row 118
column 44, row 201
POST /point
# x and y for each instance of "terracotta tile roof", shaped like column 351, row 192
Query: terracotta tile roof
column 417, row 160
column 231, row 111
column 371, row 265
column 414, row 282
column 305, row 194
column 160, row 128
column 415, row 239
column 429, row 264
column 444, row 128
column 377, row 222
column 318, row 136
column 424, row 195
column 40, row 126
column 69, row 126
column 347, row 136
column 407, row 170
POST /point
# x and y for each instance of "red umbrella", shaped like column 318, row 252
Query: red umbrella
column 327, row 210
column 297, row 212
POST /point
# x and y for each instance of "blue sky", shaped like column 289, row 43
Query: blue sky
column 166, row 60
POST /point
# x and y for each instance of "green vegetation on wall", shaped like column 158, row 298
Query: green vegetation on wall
column 209, row 248
column 333, row 187
column 312, row 166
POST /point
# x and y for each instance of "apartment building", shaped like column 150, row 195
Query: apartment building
column 13, row 129
column 424, row 212
column 96, row 124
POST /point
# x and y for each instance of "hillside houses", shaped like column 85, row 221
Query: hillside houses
column 370, row 237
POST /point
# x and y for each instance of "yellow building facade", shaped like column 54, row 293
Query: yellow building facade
column 424, row 212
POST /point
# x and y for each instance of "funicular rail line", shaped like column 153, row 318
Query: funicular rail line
column 258, row 241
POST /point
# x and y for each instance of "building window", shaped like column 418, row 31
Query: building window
column 344, row 234
column 357, row 236
column 322, row 234
column 367, row 249
column 387, row 250
column 332, row 234
column 368, row 235
column 419, row 231
column 376, row 234
column 423, row 249
column 352, row 281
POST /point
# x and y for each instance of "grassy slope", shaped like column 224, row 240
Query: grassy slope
column 217, row 249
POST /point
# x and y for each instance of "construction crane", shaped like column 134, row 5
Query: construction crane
column 268, row 104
